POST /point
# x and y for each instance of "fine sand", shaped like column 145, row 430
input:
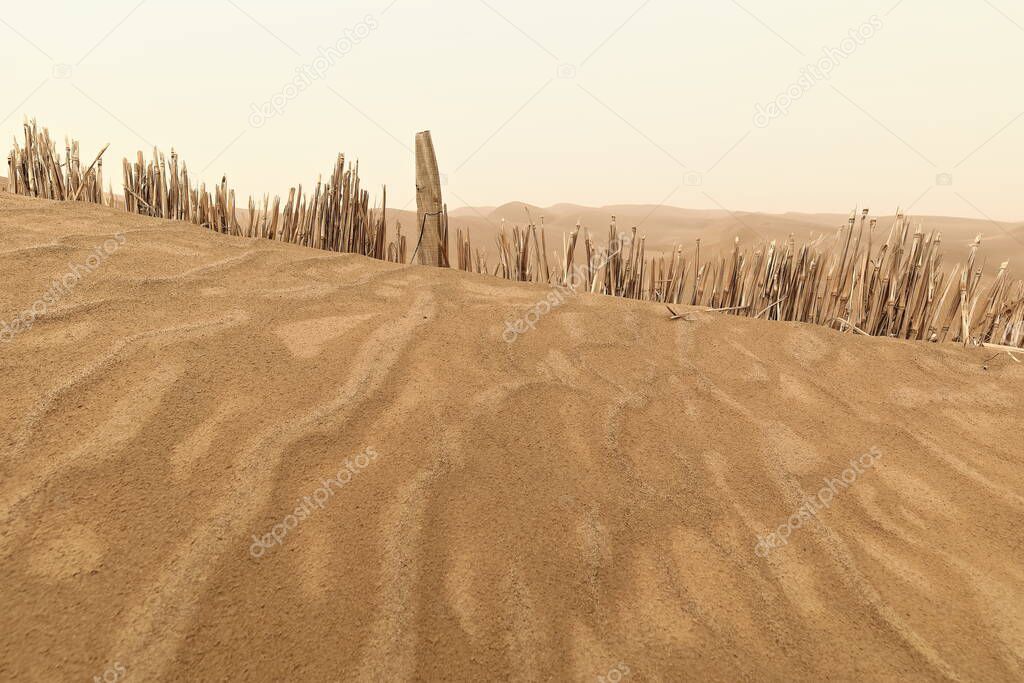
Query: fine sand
column 583, row 502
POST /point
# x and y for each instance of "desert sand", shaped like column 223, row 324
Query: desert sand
column 587, row 499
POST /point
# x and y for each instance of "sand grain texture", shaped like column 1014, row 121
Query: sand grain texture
column 588, row 497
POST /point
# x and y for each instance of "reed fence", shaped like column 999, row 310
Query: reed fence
column 336, row 216
column 853, row 280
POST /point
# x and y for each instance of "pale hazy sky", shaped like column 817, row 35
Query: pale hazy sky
column 546, row 102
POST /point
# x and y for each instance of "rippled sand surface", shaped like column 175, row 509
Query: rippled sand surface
column 586, row 500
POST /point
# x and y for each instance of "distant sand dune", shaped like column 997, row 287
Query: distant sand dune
column 667, row 226
column 586, row 498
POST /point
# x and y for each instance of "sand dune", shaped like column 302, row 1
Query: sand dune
column 586, row 499
column 666, row 226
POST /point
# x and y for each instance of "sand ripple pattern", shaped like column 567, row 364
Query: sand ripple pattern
column 585, row 499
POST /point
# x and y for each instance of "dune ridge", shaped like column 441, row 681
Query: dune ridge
column 589, row 497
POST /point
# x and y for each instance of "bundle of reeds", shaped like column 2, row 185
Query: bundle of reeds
column 37, row 169
column 161, row 190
